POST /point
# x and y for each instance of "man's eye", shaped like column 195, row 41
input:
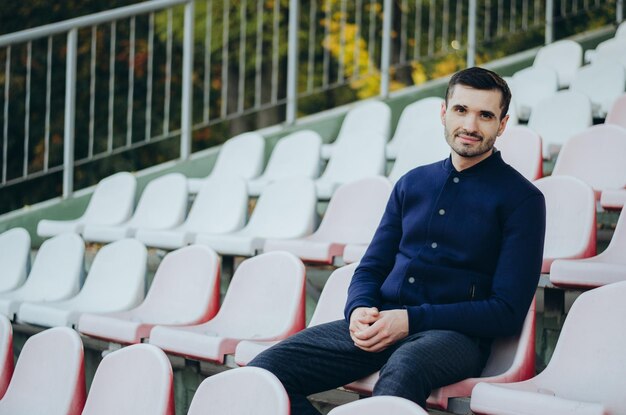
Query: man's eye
column 460, row 109
column 487, row 116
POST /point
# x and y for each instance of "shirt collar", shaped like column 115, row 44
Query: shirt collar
column 485, row 165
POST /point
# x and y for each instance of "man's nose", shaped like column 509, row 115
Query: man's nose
column 470, row 123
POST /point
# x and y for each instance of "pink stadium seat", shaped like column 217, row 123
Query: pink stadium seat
column 135, row 380
column 531, row 86
column 14, row 258
column 617, row 113
column 185, row 290
column 351, row 217
column 220, row 207
column 6, row 354
column 613, row 199
column 162, row 205
column 264, row 302
column 428, row 145
column 240, row 156
column 512, row 359
column 354, row 253
column 242, row 391
column 586, row 372
column 596, row 156
column 557, row 118
column 378, row 405
column 564, row 56
column 570, row 219
column 354, row 160
column 521, row 148
column 602, row 82
column 416, row 118
column 111, row 203
column 606, row 268
column 295, row 155
column 329, row 308
column 368, row 116
column 286, row 209
column 115, row 282
column 49, row 376
column 56, row 274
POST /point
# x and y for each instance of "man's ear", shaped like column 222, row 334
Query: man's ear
column 442, row 114
column 502, row 126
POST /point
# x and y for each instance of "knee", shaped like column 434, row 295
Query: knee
column 407, row 380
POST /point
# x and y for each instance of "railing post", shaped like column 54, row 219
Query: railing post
column 292, row 61
column 471, row 34
column 549, row 21
column 385, row 59
column 186, row 117
column 619, row 11
column 70, row 112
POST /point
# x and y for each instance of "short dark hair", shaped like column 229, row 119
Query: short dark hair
column 484, row 79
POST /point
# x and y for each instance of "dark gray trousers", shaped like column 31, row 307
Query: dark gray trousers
column 324, row 357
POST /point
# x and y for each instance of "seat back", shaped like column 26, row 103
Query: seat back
column 285, row 209
column 112, row 201
column 58, row 270
column 221, row 206
column 588, row 363
column 369, row 116
column 420, row 115
column 357, row 159
column 558, row 118
column 265, row 298
column 532, row 85
column 603, row 82
column 354, row 211
column 617, row 112
column 611, row 50
column 185, row 288
column 6, row 354
column 241, row 156
column 163, row 203
column 428, row 145
column 332, row 300
column 377, row 405
column 241, row 391
column 570, row 218
column 116, row 278
column 135, row 380
column 596, row 156
column 49, row 375
column 521, row 148
column 14, row 258
column 296, row 155
column 564, row 56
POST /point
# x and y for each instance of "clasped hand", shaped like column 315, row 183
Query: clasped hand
column 374, row 331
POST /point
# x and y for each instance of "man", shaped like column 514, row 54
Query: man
column 454, row 263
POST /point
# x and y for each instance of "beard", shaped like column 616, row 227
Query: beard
column 482, row 146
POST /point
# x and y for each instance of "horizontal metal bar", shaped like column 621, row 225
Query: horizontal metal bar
column 86, row 21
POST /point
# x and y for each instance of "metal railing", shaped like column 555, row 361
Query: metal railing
column 176, row 71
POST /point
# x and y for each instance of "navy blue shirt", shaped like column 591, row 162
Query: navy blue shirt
column 459, row 250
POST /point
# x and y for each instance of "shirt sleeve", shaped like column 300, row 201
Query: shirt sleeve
column 379, row 259
column 514, row 282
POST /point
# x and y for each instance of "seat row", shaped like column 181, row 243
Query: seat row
column 589, row 330
column 284, row 216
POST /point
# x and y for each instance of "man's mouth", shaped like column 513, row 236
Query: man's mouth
column 468, row 138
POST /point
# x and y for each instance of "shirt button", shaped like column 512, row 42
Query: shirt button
column 455, row 180
column 442, row 212
column 434, row 244
column 411, row 280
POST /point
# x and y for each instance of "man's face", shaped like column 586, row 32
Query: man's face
column 472, row 121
